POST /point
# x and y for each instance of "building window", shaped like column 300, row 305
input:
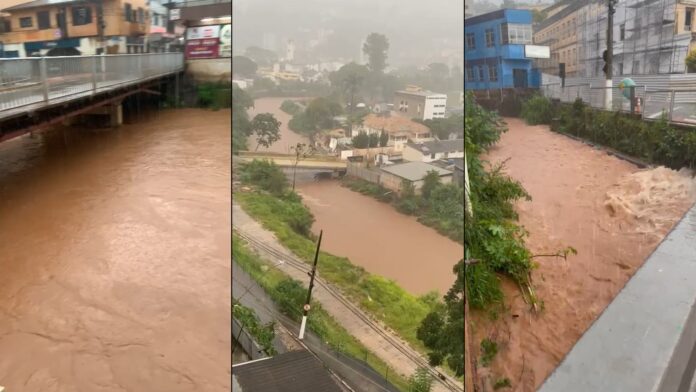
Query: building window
column 127, row 12
column 470, row 41
column 432, row 156
column 469, row 74
column 687, row 19
column 141, row 15
column 43, row 18
column 81, row 16
column 5, row 26
column 621, row 69
column 622, row 31
column 481, row 78
column 636, row 67
column 492, row 73
column 512, row 33
column 156, row 20
column 25, row 22
column 490, row 38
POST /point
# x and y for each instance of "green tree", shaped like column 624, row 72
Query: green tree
column 420, row 381
column 241, row 126
column 376, row 47
column 373, row 140
column 442, row 329
column 348, row 80
column 361, row 140
column 383, row 139
column 430, row 182
column 244, row 66
column 302, row 151
column 691, row 61
column 538, row 16
column 300, row 123
column 321, row 112
column 266, row 128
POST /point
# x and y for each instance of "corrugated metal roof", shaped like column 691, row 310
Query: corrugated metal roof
column 414, row 171
column 438, row 146
column 289, row 372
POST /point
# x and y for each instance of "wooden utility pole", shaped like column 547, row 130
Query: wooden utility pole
column 609, row 54
column 309, row 291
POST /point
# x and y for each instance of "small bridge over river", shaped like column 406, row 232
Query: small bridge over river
column 38, row 92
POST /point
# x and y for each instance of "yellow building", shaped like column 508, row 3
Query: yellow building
column 70, row 27
column 559, row 33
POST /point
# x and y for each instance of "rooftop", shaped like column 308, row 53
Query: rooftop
column 289, row 372
column 414, row 171
column 437, row 146
column 420, row 93
column 37, row 3
column 393, row 124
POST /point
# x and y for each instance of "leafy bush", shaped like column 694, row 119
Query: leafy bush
column 691, row 61
column 214, row 95
column 537, row 110
column 502, row 383
column 655, row 142
column 290, row 107
column 264, row 174
column 263, row 334
column 489, row 349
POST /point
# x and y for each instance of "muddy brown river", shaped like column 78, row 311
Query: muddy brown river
column 115, row 257
column 371, row 234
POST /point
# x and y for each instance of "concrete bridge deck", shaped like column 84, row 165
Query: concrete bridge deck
column 32, row 84
column 645, row 341
column 284, row 160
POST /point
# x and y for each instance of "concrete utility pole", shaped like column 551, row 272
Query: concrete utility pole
column 609, row 54
column 311, row 285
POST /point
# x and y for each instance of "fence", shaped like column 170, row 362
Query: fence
column 28, row 81
column 363, row 172
column 673, row 96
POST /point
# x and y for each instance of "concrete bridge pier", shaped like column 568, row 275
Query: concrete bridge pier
column 111, row 116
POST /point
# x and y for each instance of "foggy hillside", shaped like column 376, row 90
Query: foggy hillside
column 419, row 32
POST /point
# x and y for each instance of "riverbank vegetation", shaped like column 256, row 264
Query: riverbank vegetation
column 214, row 95
column 655, row 142
column 440, row 206
column 290, row 294
column 263, row 334
column 285, row 215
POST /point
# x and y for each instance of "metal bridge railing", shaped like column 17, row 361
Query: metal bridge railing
column 27, row 81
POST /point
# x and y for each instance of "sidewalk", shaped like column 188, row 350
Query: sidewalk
column 646, row 338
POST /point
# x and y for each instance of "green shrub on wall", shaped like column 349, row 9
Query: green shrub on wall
column 537, row 110
column 655, row 142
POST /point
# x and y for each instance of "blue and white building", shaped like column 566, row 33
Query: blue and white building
column 499, row 52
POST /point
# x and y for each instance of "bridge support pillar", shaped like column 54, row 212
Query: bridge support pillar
column 116, row 114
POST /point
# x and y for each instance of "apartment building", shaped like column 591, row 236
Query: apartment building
column 417, row 103
column 560, row 33
column 74, row 27
column 650, row 37
column 499, row 51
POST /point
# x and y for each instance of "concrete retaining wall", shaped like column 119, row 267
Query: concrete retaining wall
column 246, row 341
column 210, row 70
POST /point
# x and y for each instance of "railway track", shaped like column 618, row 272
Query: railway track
column 445, row 380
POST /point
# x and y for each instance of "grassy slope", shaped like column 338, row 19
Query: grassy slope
column 320, row 322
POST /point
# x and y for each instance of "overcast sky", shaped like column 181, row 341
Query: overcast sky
column 416, row 29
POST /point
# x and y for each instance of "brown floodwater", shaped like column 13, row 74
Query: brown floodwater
column 288, row 138
column 613, row 213
column 115, row 257
column 375, row 236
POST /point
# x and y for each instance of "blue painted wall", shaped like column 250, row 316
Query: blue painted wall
column 504, row 58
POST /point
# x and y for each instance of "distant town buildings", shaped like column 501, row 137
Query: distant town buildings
column 418, row 103
column 434, row 150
